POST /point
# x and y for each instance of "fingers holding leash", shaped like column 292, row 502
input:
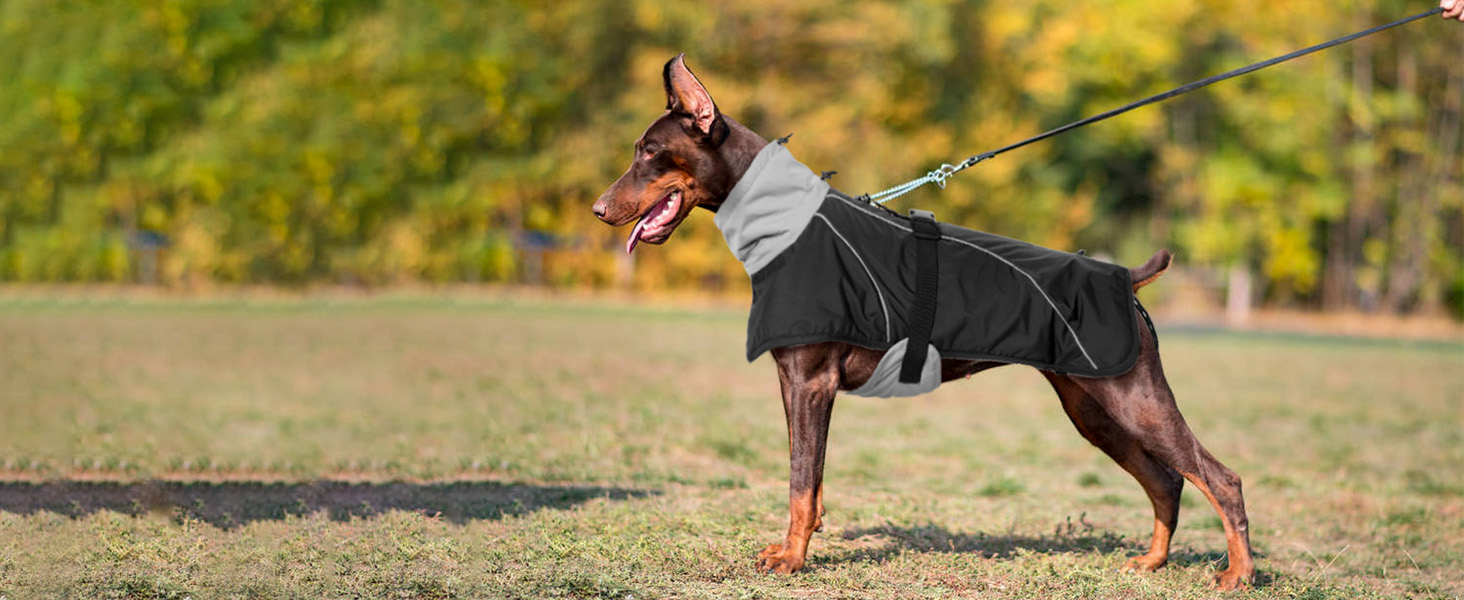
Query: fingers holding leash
column 1453, row 9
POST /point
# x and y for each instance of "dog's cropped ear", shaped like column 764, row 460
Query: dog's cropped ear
column 685, row 95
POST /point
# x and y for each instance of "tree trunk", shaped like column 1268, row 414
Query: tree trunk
column 1443, row 165
column 1238, row 295
column 1364, row 192
column 1410, row 235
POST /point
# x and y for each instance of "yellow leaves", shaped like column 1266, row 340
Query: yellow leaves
column 1010, row 22
column 274, row 209
column 402, row 251
column 303, row 16
column 428, row 161
column 208, row 185
column 1075, row 214
column 1206, row 242
column 930, row 27
column 113, row 262
column 539, row 216
column 488, row 77
column 69, row 113
column 319, row 166
column 1233, row 180
column 195, row 250
column 1290, row 260
column 1046, row 83
column 128, row 133
column 154, row 217
column 649, row 14
column 38, row 186
column 195, row 72
column 411, row 131
column 313, row 129
column 173, row 21
column 1369, row 275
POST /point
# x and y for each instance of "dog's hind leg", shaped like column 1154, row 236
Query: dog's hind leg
column 810, row 378
column 1141, row 403
column 1162, row 483
column 819, row 512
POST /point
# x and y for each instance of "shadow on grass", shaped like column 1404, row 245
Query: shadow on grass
column 230, row 504
column 1068, row 538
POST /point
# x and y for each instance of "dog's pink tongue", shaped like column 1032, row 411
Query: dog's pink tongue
column 634, row 236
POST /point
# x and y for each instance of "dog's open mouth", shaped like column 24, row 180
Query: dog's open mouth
column 656, row 225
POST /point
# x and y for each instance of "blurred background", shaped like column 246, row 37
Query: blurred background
column 198, row 143
column 304, row 298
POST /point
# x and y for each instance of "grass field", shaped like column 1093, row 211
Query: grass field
column 437, row 448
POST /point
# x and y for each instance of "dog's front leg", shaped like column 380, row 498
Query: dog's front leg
column 810, row 377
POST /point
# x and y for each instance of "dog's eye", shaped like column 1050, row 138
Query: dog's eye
column 648, row 153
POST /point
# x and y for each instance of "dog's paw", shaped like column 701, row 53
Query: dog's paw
column 774, row 559
column 1144, row 564
column 1234, row 579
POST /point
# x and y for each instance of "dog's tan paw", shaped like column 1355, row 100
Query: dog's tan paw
column 1144, row 564
column 774, row 559
column 1234, row 579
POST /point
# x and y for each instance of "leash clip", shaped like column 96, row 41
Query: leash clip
column 939, row 176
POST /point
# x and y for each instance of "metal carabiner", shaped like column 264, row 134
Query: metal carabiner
column 939, row 176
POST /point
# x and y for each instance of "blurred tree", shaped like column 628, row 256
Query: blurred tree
column 380, row 141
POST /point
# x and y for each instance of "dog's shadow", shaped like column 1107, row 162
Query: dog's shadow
column 234, row 503
column 882, row 542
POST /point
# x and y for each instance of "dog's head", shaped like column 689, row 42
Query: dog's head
column 678, row 164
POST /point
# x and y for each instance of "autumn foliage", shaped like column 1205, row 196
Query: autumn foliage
column 377, row 142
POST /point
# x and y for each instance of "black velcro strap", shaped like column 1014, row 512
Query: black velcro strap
column 927, row 278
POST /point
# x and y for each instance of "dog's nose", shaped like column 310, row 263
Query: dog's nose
column 599, row 208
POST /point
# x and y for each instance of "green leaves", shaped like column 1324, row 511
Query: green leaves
column 380, row 141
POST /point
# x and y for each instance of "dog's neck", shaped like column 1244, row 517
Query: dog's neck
column 764, row 212
column 738, row 151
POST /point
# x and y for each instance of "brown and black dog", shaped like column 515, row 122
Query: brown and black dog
column 693, row 155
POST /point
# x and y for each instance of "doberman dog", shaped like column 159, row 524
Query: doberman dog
column 693, row 155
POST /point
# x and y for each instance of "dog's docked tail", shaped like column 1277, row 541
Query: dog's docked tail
column 1146, row 273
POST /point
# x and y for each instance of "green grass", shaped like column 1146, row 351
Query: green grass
column 437, row 448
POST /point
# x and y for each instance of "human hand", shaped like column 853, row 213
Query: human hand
column 1453, row 9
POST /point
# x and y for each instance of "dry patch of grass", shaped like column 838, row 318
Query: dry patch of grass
column 477, row 448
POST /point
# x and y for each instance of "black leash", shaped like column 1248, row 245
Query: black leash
column 939, row 176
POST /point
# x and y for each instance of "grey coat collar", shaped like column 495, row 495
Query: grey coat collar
column 769, row 207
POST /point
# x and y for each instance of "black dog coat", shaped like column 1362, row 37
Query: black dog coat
column 826, row 267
